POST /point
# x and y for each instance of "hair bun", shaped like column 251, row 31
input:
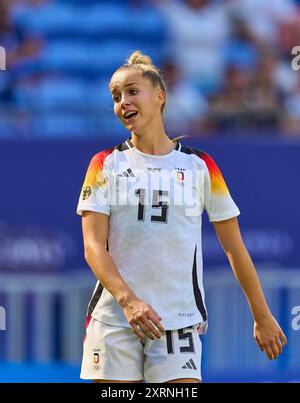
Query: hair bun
column 138, row 58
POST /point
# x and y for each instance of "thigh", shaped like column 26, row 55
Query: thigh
column 184, row 380
column 111, row 353
column 175, row 357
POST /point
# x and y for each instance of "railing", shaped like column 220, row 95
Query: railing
column 229, row 344
column 45, row 318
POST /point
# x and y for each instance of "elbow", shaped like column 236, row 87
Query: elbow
column 236, row 251
column 88, row 252
column 91, row 249
column 233, row 246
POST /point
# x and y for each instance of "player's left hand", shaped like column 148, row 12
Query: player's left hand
column 269, row 336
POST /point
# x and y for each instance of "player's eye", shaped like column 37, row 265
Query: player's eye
column 116, row 98
column 132, row 91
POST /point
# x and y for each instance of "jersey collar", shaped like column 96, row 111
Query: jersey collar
column 129, row 143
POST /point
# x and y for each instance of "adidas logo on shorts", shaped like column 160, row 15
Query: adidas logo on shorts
column 189, row 365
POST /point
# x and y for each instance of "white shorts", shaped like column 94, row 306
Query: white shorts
column 116, row 353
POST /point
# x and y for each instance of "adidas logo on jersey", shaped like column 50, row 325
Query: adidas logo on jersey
column 128, row 173
column 189, row 365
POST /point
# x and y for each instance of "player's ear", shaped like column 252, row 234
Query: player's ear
column 160, row 96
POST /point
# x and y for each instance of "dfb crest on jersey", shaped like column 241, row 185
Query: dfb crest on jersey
column 179, row 177
column 86, row 192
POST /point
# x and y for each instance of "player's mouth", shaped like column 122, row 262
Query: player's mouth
column 129, row 116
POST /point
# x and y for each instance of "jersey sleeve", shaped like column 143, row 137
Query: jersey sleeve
column 95, row 193
column 217, row 200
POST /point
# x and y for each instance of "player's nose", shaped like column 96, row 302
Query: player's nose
column 125, row 102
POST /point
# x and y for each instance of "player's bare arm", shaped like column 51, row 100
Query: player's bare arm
column 267, row 333
column 141, row 316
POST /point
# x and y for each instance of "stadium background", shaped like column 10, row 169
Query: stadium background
column 232, row 89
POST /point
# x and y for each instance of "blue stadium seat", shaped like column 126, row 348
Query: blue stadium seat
column 147, row 23
column 68, row 56
column 62, row 92
column 25, row 95
column 98, row 95
column 51, row 19
column 72, row 125
column 112, row 54
column 59, row 125
column 92, row 2
column 83, row 46
column 66, row 107
column 52, row 93
column 92, row 59
column 103, row 20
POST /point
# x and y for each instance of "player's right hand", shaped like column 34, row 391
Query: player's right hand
column 143, row 319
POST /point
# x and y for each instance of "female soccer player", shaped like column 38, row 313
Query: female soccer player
column 141, row 206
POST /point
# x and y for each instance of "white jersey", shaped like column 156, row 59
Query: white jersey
column 155, row 204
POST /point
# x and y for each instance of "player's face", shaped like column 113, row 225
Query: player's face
column 136, row 102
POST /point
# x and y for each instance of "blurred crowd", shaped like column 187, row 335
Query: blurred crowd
column 227, row 64
column 237, row 55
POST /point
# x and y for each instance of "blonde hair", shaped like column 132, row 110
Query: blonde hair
column 144, row 64
column 174, row 139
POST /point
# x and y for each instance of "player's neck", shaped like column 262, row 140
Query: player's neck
column 155, row 143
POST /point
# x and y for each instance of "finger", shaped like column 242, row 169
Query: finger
column 156, row 322
column 152, row 328
column 155, row 317
column 137, row 331
column 144, row 329
column 156, row 314
column 279, row 345
column 275, row 349
column 259, row 343
column 283, row 338
column 269, row 352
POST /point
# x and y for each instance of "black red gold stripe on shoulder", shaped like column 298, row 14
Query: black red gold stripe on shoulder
column 94, row 176
column 218, row 184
